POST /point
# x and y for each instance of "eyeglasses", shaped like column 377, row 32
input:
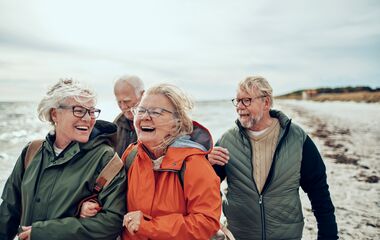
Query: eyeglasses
column 80, row 111
column 245, row 101
column 152, row 112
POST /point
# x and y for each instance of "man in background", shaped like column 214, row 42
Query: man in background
column 270, row 157
column 128, row 91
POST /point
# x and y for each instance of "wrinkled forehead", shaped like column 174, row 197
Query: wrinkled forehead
column 79, row 101
column 156, row 100
column 123, row 90
column 244, row 92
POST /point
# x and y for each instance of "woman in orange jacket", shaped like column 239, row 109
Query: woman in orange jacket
column 161, row 203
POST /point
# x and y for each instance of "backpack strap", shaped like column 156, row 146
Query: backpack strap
column 31, row 151
column 108, row 173
column 130, row 158
column 181, row 173
column 105, row 177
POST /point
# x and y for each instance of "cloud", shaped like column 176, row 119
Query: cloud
column 205, row 47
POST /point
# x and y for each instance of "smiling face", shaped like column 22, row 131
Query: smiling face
column 256, row 115
column 69, row 128
column 126, row 98
column 152, row 130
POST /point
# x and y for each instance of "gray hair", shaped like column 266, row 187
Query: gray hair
column 59, row 93
column 182, row 104
column 134, row 81
column 259, row 83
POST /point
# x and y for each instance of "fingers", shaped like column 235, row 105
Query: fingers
column 88, row 213
column 133, row 227
column 126, row 220
column 91, row 205
column 89, row 209
column 132, row 221
column 26, row 228
column 219, row 156
column 25, row 235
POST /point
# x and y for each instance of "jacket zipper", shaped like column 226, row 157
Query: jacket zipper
column 269, row 180
column 261, row 205
column 263, row 235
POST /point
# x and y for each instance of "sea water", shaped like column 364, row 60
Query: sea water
column 19, row 124
column 356, row 202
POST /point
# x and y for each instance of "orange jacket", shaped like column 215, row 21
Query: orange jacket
column 173, row 211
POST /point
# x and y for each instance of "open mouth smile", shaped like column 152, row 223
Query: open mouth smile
column 147, row 129
column 82, row 128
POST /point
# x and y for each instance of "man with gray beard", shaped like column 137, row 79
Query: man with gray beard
column 269, row 159
column 128, row 91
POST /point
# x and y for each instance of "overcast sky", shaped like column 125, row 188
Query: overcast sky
column 203, row 46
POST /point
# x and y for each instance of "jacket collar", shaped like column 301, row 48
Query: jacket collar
column 199, row 142
column 124, row 122
column 103, row 132
column 282, row 118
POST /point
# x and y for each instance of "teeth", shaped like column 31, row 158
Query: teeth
column 82, row 128
column 146, row 128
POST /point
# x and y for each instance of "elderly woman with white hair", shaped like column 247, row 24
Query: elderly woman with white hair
column 40, row 200
column 173, row 192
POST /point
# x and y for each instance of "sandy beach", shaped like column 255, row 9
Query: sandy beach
column 346, row 133
column 348, row 136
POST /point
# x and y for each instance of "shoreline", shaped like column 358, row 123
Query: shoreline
column 347, row 139
column 363, row 96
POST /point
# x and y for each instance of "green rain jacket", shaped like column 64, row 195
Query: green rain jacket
column 50, row 189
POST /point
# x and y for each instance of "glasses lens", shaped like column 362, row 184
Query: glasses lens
column 155, row 112
column 246, row 101
column 94, row 113
column 234, row 102
column 138, row 111
column 79, row 111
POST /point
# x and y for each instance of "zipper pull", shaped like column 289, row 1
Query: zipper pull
column 261, row 199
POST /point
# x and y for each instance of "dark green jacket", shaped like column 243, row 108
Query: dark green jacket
column 126, row 133
column 51, row 188
column 276, row 213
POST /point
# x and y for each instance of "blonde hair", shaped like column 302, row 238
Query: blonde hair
column 259, row 83
column 182, row 104
column 57, row 95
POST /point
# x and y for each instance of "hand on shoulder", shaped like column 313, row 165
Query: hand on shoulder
column 219, row 156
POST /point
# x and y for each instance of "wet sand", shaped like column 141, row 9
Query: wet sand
column 351, row 153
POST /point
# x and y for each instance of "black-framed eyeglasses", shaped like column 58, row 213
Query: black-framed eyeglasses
column 245, row 101
column 152, row 112
column 80, row 111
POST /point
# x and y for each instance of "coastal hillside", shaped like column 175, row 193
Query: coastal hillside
column 356, row 94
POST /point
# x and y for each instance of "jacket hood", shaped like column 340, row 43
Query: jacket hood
column 199, row 142
column 103, row 132
column 199, row 138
